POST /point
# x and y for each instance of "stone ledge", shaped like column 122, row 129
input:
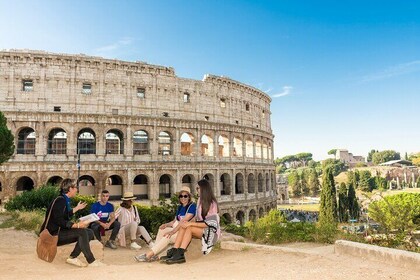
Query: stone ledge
column 372, row 252
column 241, row 246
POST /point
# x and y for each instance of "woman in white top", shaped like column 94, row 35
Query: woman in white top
column 129, row 218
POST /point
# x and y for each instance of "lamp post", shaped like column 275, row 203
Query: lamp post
column 78, row 167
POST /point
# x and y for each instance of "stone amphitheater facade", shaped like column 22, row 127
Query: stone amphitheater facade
column 135, row 127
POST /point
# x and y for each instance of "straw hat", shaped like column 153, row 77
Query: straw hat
column 185, row 189
column 128, row 196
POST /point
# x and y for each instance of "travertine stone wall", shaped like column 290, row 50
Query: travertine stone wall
column 215, row 106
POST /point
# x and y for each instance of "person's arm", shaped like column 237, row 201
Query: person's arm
column 186, row 218
column 168, row 224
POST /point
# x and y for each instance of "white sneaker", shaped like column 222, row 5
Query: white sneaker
column 96, row 263
column 135, row 246
column 76, row 262
column 151, row 244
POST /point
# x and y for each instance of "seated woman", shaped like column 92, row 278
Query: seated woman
column 129, row 219
column 207, row 225
column 68, row 231
column 168, row 232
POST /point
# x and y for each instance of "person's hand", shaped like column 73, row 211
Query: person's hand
column 169, row 234
column 185, row 224
column 81, row 205
column 163, row 226
column 83, row 224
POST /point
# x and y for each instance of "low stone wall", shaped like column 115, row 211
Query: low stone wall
column 372, row 252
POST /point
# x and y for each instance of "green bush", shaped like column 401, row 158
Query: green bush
column 37, row 199
column 326, row 232
column 152, row 217
column 88, row 199
column 237, row 230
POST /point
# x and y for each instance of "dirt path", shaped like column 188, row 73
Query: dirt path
column 18, row 261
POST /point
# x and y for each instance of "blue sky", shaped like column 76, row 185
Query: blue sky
column 342, row 74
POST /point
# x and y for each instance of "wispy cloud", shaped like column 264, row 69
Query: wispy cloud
column 397, row 70
column 286, row 91
column 112, row 48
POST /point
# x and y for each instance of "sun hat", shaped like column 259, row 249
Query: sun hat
column 185, row 189
column 128, row 196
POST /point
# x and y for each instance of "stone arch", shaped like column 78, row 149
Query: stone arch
column 57, row 142
column 267, row 208
column 240, row 217
column 260, row 183
column 251, row 183
column 24, row 183
column 87, row 185
column 225, row 184
column 273, row 185
column 166, row 188
column 140, row 142
column 283, row 197
column 114, row 184
column 239, row 183
column 141, row 186
column 249, row 148
column 26, row 141
column 237, row 147
column 207, row 146
column 86, row 141
column 223, row 142
column 114, row 142
column 258, row 149
column 55, row 180
column 267, row 182
column 260, row 212
column 165, row 143
column 252, row 215
column 187, row 144
column 264, row 150
column 188, row 180
column 269, row 150
column 209, row 177
column 227, row 217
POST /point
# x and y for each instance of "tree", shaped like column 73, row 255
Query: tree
column 418, row 182
column 294, row 183
column 304, row 182
column 332, row 151
column 415, row 158
column 7, row 146
column 380, row 183
column 303, row 158
column 343, row 203
column 336, row 165
column 352, row 202
column 313, row 182
column 370, row 155
column 365, row 182
column 384, row 156
column 328, row 204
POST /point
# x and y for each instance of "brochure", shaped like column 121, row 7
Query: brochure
column 89, row 218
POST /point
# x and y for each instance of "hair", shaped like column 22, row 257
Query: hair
column 125, row 204
column 105, row 191
column 206, row 196
column 65, row 185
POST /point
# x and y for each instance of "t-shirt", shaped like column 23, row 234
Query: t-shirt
column 103, row 211
column 181, row 212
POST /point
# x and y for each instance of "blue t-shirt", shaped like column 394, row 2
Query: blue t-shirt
column 103, row 211
column 181, row 212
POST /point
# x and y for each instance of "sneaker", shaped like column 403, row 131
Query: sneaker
column 96, row 263
column 151, row 244
column 76, row 262
column 135, row 246
column 110, row 244
column 143, row 258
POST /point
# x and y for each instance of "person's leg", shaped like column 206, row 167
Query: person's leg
column 179, row 237
column 81, row 237
column 191, row 232
column 162, row 232
column 132, row 228
column 96, row 228
column 115, row 227
column 145, row 234
column 160, row 246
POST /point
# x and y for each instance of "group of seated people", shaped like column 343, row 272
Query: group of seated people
column 192, row 220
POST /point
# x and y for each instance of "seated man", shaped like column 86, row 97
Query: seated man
column 107, row 221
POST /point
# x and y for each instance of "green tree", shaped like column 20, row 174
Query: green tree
column 380, row 183
column 365, row 182
column 294, row 183
column 304, row 182
column 384, row 156
column 7, row 146
column 415, row 158
column 370, row 155
column 313, row 182
column 352, row 202
column 303, row 158
column 336, row 165
column 343, row 203
column 332, row 151
column 418, row 182
column 328, row 203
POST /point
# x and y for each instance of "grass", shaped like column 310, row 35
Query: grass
column 300, row 207
column 27, row 220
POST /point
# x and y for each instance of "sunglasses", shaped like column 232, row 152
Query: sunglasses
column 183, row 196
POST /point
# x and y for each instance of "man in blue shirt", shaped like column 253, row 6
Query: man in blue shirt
column 107, row 221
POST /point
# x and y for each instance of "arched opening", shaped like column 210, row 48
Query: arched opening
column 252, row 215
column 207, row 146
column 187, row 144
column 225, row 184
column 114, row 142
column 237, row 147
column 265, row 151
column 249, row 148
column 240, row 218
column 86, row 185
column 260, row 183
column 269, row 150
column 258, row 149
column 283, row 197
column 239, row 183
column 267, row 182
column 140, row 143
column 165, row 146
column 26, row 141
column 261, row 212
column 114, row 184
column 55, row 181
column 188, row 181
column 140, row 187
column 57, row 142
column 86, row 141
column 267, row 209
column 165, row 186
column 209, row 177
column 272, row 182
column 24, row 184
column 251, row 183
column 223, row 146
column 227, row 218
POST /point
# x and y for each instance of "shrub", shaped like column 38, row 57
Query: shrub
column 152, row 217
column 36, row 199
column 88, row 199
column 235, row 229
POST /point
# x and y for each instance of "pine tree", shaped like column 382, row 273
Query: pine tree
column 304, row 183
column 313, row 182
column 7, row 146
column 294, row 184
column 343, row 203
column 328, row 204
column 352, row 202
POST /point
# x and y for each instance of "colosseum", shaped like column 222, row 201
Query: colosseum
column 135, row 127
